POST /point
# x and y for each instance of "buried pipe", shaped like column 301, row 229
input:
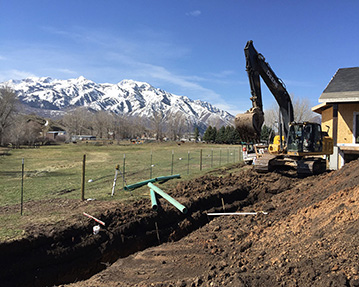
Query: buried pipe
column 236, row 213
column 142, row 183
column 154, row 204
column 171, row 200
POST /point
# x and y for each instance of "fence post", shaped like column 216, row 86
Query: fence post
column 124, row 169
column 172, row 162
column 188, row 156
column 22, row 185
column 200, row 160
column 212, row 158
column 83, row 178
column 151, row 165
column 220, row 157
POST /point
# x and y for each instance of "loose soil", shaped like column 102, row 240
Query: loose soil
column 308, row 238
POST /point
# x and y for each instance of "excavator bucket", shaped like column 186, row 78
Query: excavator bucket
column 249, row 125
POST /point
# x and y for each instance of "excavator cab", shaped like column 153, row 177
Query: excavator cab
column 305, row 138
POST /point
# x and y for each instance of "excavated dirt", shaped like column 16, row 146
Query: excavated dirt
column 308, row 238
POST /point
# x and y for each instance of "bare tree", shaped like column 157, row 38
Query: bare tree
column 102, row 124
column 25, row 131
column 18, row 132
column 77, row 121
column 8, row 105
column 122, row 127
column 32, row 132
column 176, row 124
column 157, row 124
column 302, row 112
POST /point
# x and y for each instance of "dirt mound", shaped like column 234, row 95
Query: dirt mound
column 308, row 238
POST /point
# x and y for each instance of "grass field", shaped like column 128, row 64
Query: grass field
column 55, row 172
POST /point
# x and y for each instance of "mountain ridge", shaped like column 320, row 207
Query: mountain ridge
column 128, row 97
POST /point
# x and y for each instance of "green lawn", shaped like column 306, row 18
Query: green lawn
column 55, row 171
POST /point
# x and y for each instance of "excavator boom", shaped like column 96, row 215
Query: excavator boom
column 250, row 123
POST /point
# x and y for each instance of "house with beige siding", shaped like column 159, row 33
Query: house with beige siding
column 339, row 108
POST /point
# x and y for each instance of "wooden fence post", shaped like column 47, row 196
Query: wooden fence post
column 188, row 157
column 124, row 169
column 83, row 178
column 22, row 185
column 151, row 165
column 212, row 158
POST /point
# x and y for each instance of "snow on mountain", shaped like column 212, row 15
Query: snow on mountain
column 50, row 96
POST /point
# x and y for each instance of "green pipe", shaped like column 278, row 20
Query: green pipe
column 154, row 204
column 163, row 178
column 142, row 183
column 171, row 200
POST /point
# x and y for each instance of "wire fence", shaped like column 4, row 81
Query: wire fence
column 182, row 162
column 90, row 172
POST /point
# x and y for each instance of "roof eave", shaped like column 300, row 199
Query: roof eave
column 350, row 96
column 320, row 108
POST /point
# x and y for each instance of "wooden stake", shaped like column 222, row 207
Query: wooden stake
column 94, row 218
column 115, row 179
column 158, row 234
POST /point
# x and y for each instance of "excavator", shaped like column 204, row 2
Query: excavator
column 298, row 145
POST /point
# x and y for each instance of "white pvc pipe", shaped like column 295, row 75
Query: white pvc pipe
column 236, row 213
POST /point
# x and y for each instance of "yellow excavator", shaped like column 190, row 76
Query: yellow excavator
column 298, row 145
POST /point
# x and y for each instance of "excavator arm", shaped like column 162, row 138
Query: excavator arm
column 250, row 123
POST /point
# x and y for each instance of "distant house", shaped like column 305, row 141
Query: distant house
column 54, row 134
column 340, row 114
column 83, row 138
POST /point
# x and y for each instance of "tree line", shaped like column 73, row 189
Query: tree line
column 17, row 128
column 230, row 135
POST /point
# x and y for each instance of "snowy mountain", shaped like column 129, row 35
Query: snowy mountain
column 47, row 96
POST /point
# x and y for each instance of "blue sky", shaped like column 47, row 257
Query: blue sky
column 186, row 47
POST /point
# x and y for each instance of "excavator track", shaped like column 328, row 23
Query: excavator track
column 308, row 166
column 262, row 164
column 304, row 166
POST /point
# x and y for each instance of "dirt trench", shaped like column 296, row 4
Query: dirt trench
column 308, row 238
column 53, row 255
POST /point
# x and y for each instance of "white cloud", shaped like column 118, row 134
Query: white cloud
column 194, row 13
column 14, row 75
column 67, row 71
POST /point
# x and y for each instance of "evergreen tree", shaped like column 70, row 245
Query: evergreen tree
column 207, row 136
column 196, row 133
column 221, row 135
column 213, row 135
